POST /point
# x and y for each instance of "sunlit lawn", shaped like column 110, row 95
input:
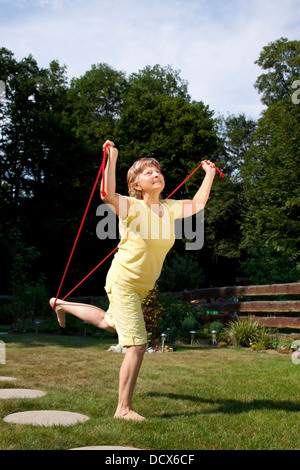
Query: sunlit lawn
column 194, row 398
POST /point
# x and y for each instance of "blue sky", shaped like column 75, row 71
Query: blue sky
column 213, row 43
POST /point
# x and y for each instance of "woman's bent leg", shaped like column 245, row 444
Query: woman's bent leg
column 128, row 376
column 89, row 313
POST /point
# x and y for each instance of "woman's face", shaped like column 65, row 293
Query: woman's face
column 151, row 179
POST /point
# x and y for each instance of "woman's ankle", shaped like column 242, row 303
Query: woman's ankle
column 128, row 414
column 61, row 317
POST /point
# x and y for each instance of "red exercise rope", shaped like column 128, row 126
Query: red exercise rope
column 221, row 174
column 102, row 170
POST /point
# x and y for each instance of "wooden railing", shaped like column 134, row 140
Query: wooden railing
column 272, row 313
column 216, row 299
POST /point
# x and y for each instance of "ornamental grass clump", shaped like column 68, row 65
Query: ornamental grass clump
column 244, row 332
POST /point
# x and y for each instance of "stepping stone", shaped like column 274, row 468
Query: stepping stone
column 7, row 379
column 105, row 448
column 46, row 418
column 7, row 393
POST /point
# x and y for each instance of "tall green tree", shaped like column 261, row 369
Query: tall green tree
column 226, row 209
column 42, row 160
column 280, row 59
column 95, row 103
column 271, row 173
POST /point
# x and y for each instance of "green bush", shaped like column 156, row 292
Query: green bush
column 153, row 310
column 204, row 332
column 216, row 326
column 285, row 344
column 189, row 323
column 180, row 316
column 244, row 332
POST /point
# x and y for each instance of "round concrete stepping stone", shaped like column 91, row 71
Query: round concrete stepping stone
column 6, row 393
column 7, row 379
column 105, row 448
column 46, row 418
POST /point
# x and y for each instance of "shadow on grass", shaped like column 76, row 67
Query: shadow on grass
column 31, row 340
column 227, row 406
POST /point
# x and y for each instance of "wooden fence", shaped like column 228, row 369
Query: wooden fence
column 237, row 300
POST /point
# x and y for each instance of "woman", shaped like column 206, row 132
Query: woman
column 147, row 234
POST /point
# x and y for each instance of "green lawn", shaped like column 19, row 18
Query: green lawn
column 194, row 398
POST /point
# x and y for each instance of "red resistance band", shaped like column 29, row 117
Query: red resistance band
column 220, row 172
column 102, row 170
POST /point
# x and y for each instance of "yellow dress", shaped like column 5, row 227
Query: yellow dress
column 146, row 239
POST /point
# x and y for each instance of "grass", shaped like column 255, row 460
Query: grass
column 195, row 398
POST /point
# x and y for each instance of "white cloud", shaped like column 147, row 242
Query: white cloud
column 214, row 43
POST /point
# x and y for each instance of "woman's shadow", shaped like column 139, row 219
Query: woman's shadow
column 229, row 406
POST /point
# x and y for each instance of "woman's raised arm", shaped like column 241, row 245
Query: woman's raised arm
column 192, row 206
column 120, row 203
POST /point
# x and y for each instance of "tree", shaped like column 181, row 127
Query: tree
column 281, row 59
column 42, row 160
column 95, row 102
column 34, row 100
column 226, row 209
column 271, row 173
column 23, row 287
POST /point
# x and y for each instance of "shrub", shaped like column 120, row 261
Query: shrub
column 153, row 311
column 216, row 326
column 285, row 344
column 189, row 323
column 180, row 316
column 204, row 333
column 244, row 332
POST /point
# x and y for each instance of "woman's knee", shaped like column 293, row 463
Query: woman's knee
column 139, row 350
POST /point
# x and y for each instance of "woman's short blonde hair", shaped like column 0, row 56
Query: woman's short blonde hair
column 134, row 173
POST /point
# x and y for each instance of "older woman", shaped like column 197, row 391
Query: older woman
column 147, row 234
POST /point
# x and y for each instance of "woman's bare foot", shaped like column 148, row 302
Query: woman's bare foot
column 61, row 317
column 128, row 415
